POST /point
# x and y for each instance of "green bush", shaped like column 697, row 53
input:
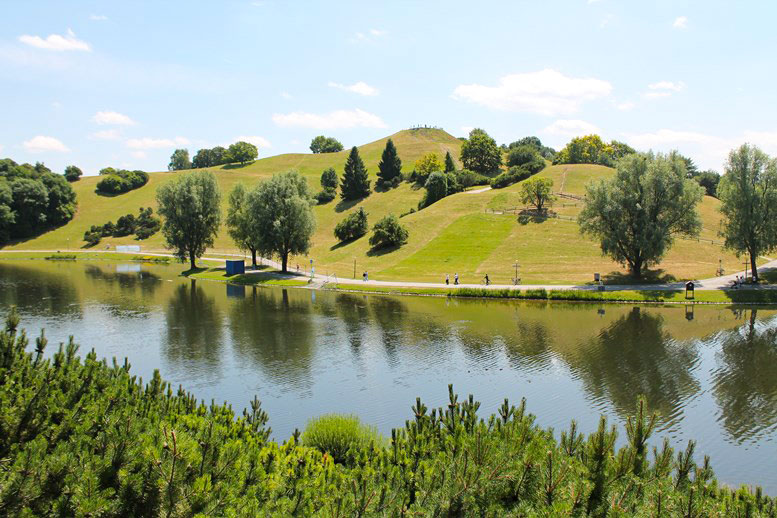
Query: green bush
column 388, row 232
column 353, row 226
column 467, row 178
column 325, row 195
column 340, row 436
column 120, row 181
column 514, row 175
column 527, row 157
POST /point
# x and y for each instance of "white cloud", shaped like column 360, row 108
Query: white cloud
column 606, row 21
column 681, row 22
column 56, row 42
column 116, row 118
column 42, row 143
column 359, row 87
column 111, row 134
column 97, row 17
column 546, row 92
column 592, row 1
column 625, row 106
column 259, row 142
column 378, row 32
column 286, row 95
column 339, row 119
column 370, row 35
column 571, row 128
column 667, row 85
column 139, row 154
column 657, row 95
column 156, row 143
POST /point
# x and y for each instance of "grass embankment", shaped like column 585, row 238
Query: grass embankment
column 454, row 235
column 743, row 296
column 268, row 277
column 104, row 443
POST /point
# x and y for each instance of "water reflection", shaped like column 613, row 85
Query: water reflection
column 746, row 382
column 37, row 292
column 194, row 328
column 635, row 356
column 273, row 330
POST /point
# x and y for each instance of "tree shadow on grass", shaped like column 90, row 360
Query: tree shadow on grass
column 658, row 276
column 237, row 165
column 198, row 269
column 344, row 205
column 341, row 244
column 383, row 250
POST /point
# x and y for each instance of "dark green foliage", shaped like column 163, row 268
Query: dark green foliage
column 322, row 144
column 389, row 167
column 591, row 149
column 120, row 181
column 438, row 186
column 527, row 157
column 82, row 437
column 32, row 199
column 73, row 173
column 480, row 153
column 709, row 180
column 125, row 225
column 210, row 157
column 467, row 178
column 340, row 436
column 355, row 183
column 179, row 160
column 450, row 166
column 144, row 226
column 329, row 182
column 242, row 152
column 388, row 232
column 534, row 142
column 353, row 226
column 514, row 175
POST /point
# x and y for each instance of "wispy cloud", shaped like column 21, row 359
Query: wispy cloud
column 360, row 87
column 339, row 119
column 286, row 95
column 156, row 143
column 97, row 17
column 42, row 143
column 139, row 154
column 681, row 22
column 56, row 42
column 111, row 134
column 664, row 89
column 625, row 106
column 371, row 35
column 571, row 128
column 115, row 118
column 546, row 92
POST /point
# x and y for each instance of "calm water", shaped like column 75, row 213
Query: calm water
column 711, row 372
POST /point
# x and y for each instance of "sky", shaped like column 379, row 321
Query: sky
column 123, row 84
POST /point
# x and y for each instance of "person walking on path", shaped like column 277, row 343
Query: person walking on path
column 456, row 279
column 488, row 281
column 447, row 279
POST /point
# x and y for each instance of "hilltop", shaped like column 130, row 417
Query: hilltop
column 468, row 233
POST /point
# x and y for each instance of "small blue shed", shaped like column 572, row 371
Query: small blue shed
column 235, row 267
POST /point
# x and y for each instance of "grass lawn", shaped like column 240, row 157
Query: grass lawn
column 266, row 277
column 455, row 235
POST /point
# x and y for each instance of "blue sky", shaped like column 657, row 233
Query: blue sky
column 125, row 83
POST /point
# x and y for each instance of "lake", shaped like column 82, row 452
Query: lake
column 710, row 371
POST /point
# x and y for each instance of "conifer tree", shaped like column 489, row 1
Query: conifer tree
column 390, row 165
column 450, row 166
column 355, row 184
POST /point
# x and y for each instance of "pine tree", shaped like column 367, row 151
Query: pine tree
column 450, row 166
column 355, row 184
column 390, row 165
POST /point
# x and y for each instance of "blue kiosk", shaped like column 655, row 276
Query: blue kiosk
column 235, row 267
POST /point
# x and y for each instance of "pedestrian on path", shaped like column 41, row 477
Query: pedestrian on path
column 488, row 281
column 447, row 279
column 456, row 279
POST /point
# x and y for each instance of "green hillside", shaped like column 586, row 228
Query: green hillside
column 459, row 234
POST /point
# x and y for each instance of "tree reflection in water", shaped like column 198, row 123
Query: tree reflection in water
column 38, row 291
column 194, row 328
column 745, row 385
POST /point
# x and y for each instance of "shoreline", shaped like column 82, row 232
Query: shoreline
column 267, row 276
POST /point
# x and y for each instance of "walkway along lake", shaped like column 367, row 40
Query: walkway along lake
column 710, row 371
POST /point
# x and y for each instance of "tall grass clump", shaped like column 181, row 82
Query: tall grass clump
column 339, row 436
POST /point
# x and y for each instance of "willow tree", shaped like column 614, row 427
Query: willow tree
column 748, row 192
column 240, row 222
column 636, row 214
column 190, row 205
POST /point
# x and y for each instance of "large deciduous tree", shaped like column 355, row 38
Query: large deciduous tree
column 537, row 192
column 480, row 153
column 322, row 144
column 390, row 166
column 636, row 214
column 355, row 183
column 179, row 160
column 190, row 205
column 284, row 220
column 241, row 222
column 72, row 173
column 748, row 192
column 242, row 152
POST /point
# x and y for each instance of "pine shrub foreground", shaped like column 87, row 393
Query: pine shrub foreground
column 81, row 437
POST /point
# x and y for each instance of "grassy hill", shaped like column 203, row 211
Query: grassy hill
column 467, row 233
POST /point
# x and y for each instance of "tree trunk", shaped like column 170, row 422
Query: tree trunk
column 636, row 269
column 253, row 257
column 192, row 260
column 754, row 266
column 284, row 260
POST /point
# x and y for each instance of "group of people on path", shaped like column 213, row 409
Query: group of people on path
column 456, row 279
column 738, row 281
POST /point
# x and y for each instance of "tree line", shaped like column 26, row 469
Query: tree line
column 239, row 152
column 82, row 436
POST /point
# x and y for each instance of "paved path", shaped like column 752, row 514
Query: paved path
column 476, row 191
column 319, row 280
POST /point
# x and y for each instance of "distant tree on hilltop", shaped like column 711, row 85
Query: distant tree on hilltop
column 179, row 160
column 480, row 153
column 322, row 144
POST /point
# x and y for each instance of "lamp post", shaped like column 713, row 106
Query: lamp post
column 515, row 279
